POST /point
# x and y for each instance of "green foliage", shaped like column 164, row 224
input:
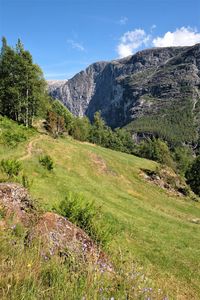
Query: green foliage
column 26, row 181
column 26, row 275
column 55, row 124
column 47, row 162
column 183, row 158
column 85, row 215
column 100, row 133
column 62, row 111
column 22, row 87
column 80, row 129
column 144, row 217
column 193, row 176
column 11, row 139
column 58, row 119
column 157, row 150
column 11, row 134
column 119, row 139
column 124, row 140
column 174, row 123
column 10, row 167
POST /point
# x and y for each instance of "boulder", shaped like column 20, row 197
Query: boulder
column 56, row 234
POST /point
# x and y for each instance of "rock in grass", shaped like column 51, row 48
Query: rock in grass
column 56, row 234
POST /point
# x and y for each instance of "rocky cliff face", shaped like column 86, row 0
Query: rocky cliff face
column 150, row 83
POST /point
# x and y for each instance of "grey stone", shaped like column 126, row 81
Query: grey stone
column 129, row 88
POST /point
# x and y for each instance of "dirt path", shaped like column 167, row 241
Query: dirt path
column 30, row 147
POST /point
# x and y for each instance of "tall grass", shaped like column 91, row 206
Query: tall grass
column 24, row 274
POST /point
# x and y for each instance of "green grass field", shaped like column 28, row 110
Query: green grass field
column 152, row 227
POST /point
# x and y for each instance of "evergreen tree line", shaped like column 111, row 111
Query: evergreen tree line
column 22, row 86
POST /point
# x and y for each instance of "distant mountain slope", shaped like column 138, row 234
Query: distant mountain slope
column 156, row 90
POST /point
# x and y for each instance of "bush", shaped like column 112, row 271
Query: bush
column 12, row 134
column 86, row 216
column 62, row 111
column 11, row 139
column 157, row 150
column 193, row 176
column 183, row 157
column 47, row 162
column 80, row 129
column 10, row 167
column 55, row 124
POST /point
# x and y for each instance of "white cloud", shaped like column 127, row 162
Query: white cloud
column 76, row 45
column 131, row 41
column 184, row 36
column 123, row 20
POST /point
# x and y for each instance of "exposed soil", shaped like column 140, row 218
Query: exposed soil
column 100, row 164
column 30, row 148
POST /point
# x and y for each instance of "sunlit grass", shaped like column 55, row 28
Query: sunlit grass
column 154, row 228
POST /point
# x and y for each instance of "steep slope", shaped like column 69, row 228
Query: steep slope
column 152, row 84
column 156, row 228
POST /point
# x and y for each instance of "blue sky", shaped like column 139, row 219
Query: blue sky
column 65, row 36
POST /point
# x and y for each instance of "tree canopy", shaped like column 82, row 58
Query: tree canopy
column 193, row 176
column 22, row 86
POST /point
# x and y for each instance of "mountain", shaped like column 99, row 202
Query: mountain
column 155, row 91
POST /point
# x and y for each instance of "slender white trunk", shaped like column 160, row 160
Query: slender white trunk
column 26, row 108
column 27, row 95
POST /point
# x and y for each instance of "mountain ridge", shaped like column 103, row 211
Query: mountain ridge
column 131, row 89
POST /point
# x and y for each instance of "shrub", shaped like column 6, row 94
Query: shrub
column 55, row 124
column 62, row 111
column 85, row 215
column 11, row 139
column 10, row 167
column 47, row 162
column 11, row 133
column 80, row 129
column 157, row 150
column 183, row 157
column 193, row 176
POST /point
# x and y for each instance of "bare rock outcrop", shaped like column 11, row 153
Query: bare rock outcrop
column 16, row 205
column 57, row 235
column 60, row 236
column 154, row 82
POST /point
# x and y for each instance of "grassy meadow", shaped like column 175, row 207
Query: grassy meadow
column 151, row 227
